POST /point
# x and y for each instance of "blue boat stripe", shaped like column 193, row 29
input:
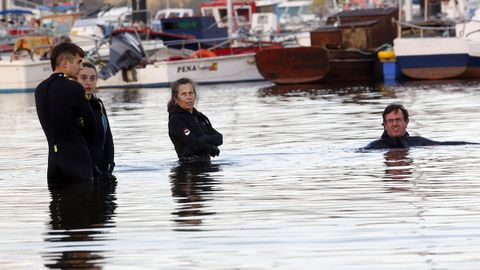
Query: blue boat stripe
column 432, row 61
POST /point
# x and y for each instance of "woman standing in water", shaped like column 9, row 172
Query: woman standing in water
column 101, row 147
column 191, row 132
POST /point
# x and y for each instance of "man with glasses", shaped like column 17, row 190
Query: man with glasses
column 395, row 135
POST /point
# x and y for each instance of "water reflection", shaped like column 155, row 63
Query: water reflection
column 192, row 186
column 79, row 216
column 127, row 95
column 398, row 168
column 356, row 91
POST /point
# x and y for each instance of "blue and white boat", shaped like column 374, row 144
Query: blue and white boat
column 431, row 58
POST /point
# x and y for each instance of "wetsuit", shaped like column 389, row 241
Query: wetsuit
column 193, row 136
column 68, row 121
column 101, row 147
column 407, row 141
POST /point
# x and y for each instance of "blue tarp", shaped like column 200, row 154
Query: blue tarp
column 15, row 11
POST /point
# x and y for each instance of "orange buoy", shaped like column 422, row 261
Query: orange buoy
column 202, row 53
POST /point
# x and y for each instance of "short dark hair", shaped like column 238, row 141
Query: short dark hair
column 89, row 65
column 393, row 108
column 64, row 49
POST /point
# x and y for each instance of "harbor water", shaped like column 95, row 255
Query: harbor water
column 290, row 189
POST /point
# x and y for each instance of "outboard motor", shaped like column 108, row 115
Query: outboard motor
column 126, row 52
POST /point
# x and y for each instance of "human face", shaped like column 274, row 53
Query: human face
column 186, row 97
column 88, row 78
column 395, row 124
column 72, row 66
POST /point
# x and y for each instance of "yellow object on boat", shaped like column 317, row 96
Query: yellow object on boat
column 386, row 55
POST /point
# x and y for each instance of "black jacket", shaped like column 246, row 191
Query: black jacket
column 68, row 122
column 406, row 141
column 101, row 147
column 193, row 136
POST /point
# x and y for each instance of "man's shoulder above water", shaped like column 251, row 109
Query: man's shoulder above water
column 406, row 141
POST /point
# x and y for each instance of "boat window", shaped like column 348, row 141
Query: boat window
column 243, row 14
column 306, row 10
column 174, row 15
column 223, row 14
column 293, row 11
column 180, row 25
column 208, row 12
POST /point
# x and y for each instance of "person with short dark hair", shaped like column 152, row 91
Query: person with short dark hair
column 66, row 117
column 190, row 131
column 101, row 147
column 395, row 135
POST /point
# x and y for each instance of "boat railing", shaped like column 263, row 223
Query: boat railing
column 462, row 33
column 423, row 28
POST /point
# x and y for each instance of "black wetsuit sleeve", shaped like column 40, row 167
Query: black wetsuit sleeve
column 213, row 137
column 109, row 148
column 179, row 129
column 456, row 143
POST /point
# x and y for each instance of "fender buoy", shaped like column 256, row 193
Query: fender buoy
column 202, row 53
column 386, row 55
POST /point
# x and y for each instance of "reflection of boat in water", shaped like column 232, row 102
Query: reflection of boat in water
column 344, row 50
column 346, row 88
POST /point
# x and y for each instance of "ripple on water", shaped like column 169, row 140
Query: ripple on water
column 289, row 190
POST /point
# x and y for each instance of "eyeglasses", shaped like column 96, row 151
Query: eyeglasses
column 391, row 121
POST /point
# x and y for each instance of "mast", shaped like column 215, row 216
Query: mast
column 229, row 17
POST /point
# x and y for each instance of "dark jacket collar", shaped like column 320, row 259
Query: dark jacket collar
column 177, row 109
column 400, row 142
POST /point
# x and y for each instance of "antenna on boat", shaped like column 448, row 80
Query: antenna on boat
column 399, row 21
column 229, row 17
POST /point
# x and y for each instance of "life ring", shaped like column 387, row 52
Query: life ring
column 202, row 53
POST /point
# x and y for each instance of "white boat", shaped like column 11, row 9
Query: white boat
column 432, row 58
column 23, row 75
column 26, row 72
column 211, row 70
column 470, row 31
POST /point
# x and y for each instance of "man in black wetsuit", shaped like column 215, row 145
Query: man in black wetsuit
column 66, row 117
column 395, row 135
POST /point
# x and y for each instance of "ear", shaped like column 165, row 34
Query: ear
column 64, row 62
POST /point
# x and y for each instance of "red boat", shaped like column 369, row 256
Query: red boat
column 343, row 51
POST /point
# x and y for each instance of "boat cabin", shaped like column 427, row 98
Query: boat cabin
column 357, row 29
column 242, row 12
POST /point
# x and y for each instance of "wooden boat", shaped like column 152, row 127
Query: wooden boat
column 343, row 51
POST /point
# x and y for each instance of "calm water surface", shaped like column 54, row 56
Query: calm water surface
column 290, row 189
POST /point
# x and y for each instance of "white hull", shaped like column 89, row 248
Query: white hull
column 25, row 75
column 429, row 46
column 220, row 69
column 432, row 58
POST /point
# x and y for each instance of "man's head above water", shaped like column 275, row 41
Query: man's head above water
column 395, row 120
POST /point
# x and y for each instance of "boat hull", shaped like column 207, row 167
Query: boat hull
column 23, row 75
column 314, row 65
column 432, row 58
column 211, row 70
column 293, row 65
